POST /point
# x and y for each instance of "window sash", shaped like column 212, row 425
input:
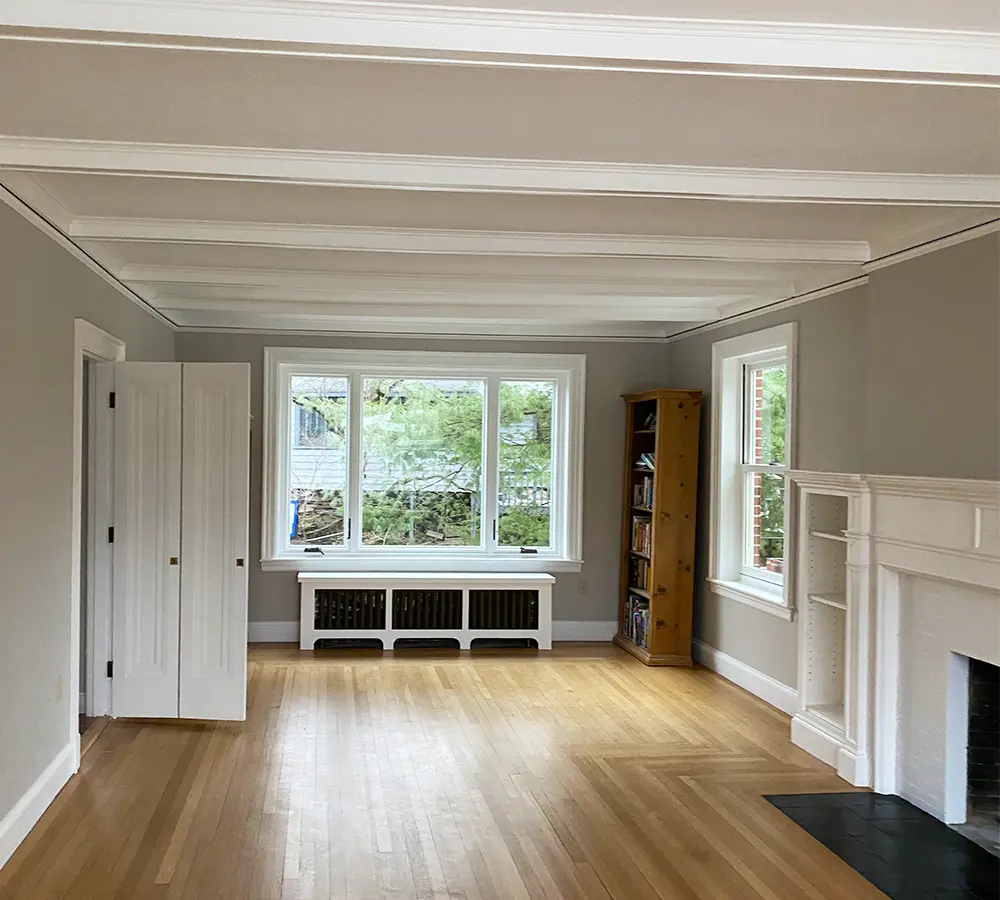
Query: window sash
column 564, row 496
column 747, row 569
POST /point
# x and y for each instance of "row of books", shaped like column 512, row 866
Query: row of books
column 642, row 535
column 638, row 572
column 649, row 424
column 646, row 461
column 642, row 492
column 636, row 624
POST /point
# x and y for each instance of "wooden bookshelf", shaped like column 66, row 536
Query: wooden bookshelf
column 658, row 526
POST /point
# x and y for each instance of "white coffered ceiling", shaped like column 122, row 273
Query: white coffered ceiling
column 561, row 167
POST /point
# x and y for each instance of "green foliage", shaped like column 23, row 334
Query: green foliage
column 772, row 494
column 423, row 447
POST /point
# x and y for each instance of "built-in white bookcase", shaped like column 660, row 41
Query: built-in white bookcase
column 831, row 594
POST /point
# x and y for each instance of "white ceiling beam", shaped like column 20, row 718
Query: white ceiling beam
column 466, row 242
column 520, row 176
column 708, row 280
column 611, row 305
column 465, row 35
column 541, row 310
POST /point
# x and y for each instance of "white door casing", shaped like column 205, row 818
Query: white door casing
column 147, row 539
column 215, row 540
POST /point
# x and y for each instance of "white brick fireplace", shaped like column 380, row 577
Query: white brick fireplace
column 925, row 558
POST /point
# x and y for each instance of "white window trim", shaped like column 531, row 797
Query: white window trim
column 726, row 575
column 567, row 370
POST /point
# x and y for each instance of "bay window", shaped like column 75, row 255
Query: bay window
column 443, row 461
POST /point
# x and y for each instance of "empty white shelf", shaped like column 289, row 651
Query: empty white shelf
column 836, row 600
column 829, row 535
column 833, row 713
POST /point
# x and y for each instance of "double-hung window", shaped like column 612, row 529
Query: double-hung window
column 429, row 461
column 753, row 389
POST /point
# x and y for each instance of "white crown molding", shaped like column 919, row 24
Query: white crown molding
column 966, row 490
column 474, row 242
column 89, row 260
column 34, row 196
column 409, row 28
column 933, row 245
column 415, row 172
column 950, row 224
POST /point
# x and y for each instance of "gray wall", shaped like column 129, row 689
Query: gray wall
column 613, row 368
column 901, row 377
column 43, row 290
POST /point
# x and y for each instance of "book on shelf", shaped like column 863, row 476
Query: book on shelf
column 642, row 535
column 650, row 422
column 636, row 619
column 646, row 461
column 642, row 493
column 638, row 573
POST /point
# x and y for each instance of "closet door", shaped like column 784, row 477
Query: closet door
column 147, row 540
column 214, row 528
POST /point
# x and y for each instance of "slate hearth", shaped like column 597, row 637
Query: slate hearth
column 904, row 852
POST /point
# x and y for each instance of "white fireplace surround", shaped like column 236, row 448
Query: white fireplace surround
column 926, row 557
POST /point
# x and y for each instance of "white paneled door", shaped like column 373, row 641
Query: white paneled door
column 214, row 540
column 147, row 541
column 181, row 486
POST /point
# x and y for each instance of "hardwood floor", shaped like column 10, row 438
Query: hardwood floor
column 578, row 774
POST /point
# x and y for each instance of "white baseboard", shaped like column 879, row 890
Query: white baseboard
column 288, row 632
column 815, row 741
column 760, row 685
column 14, row 826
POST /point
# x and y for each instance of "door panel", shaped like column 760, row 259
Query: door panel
column 215, row 515
column 147, row 539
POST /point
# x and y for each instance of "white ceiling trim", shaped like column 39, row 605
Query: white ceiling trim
column 704, row 281
column 476, row 31
column 554, row 310
column 209, row 320
column 92, row 261
column 465, row 242
column 415, row 172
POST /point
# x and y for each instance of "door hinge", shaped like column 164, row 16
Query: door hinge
column 111, row 668
column 111, row 534
column 111, row 400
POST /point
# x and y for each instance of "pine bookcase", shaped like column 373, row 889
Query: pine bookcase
column 658, row 526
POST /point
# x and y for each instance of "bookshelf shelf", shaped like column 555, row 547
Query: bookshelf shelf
column 836, row 600
column 829, row 536
column 658, row 526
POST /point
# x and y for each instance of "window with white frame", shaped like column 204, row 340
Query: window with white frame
column 753, row 387
column 467, row 461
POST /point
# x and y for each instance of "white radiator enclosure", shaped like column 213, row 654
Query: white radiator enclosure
column 395, row 582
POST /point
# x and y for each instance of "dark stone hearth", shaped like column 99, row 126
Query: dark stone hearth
column 904, row 852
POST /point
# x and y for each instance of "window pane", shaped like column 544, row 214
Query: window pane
column 765, row 525
column 422, row 462
column 767, row 394
column 318, row 460
column 525, row 477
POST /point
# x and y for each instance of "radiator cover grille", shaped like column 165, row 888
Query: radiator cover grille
column 349, row 610
column 437, row 610
column 503, row 610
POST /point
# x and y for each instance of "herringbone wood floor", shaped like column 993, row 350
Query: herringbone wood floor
column 579, row 774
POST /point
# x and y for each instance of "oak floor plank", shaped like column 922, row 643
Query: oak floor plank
column 573, row 775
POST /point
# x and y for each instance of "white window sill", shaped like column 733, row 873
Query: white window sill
column 769, row 601
column 412, row 563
